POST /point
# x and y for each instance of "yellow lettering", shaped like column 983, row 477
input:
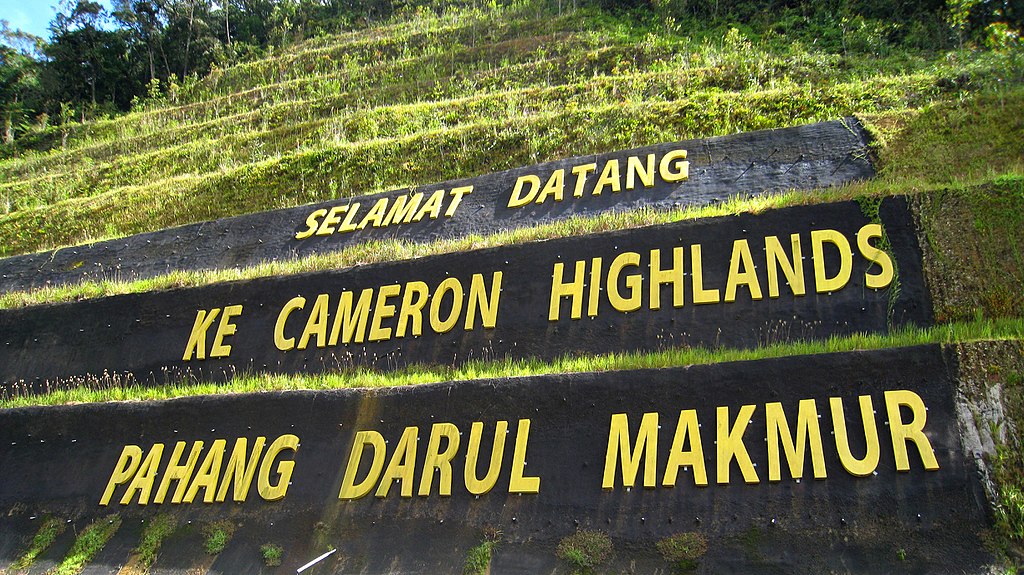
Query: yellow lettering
column 349, row 488
column 349, row 224
column 333, row 218
column 179, row 473
column 518, row 199
column 730, row 445
column 477, row 301
column 874, row 255
column 807, row 428
column 686, row 427
column 700, row 294
column 145, row 476
column 312, row 223
column 413, row 300
column 633, row 283
column 473, row 484
column 609, row 177
column 438, row 460
column 208, row 474
column 748, row 277
column 821, row 281
column 594, row 289
column 239, row 473
column 636, row 169
column 375, row 215
column 432, row 207
column 383, row 310
column 316, row 324
column 286, row 343
column 554, row 188
column 573, row 290
column 912, row 432
column 445, row 325
column 674, row 167
column 403, row 209
column 354, row 321
column 520, row 483
column 197, row 339
column 581, row 172
column 792, row 269
column 858, row 467
column 225, row 329
column 673, row 275
column 402, row 465
column 268, row 491
column 457, row 194
column 126, row 466
column 619, row 450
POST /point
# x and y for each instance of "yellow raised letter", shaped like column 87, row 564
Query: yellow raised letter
column 520, row 483
column 349, row 488
column 284, row 468
column 633, row 283
column 197, row 339
column 402, row 465
column 885, row 274
column 836, row 282
column 807, row 431
column 619, row 450
column 573, row 290
column 517, row 199
column 481, row 486
column 858, row 467
column 311, row 224
column 730, row 445
column 441, row 461
column 286, row 343
column 687, row 427
column 912, row 432
column 129, row 461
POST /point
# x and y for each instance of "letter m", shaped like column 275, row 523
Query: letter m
column 621, row 449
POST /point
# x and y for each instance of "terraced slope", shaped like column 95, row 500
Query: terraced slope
column 431, row 98
column 435, row 98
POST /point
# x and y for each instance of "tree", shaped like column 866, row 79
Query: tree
column 19, row 77
column 146, row 19
column 87, row 62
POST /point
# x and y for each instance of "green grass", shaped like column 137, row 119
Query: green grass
column 48, row 531
column 99, row 390
column 683, row 550
column 90, row 541
column 585, row 550
column 478, row 559
column 159, row 528
column 991, row 155
column 272, row 554
column 432, row 98
column 217, row 535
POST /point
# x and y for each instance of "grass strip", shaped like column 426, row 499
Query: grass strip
column 100, row 391
column 90, row 541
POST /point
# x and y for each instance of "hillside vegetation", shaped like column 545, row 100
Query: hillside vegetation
column 430, row 97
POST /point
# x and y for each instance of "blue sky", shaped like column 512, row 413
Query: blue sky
column 32, row 16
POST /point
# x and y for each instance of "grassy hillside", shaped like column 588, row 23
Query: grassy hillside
column 428, row 98
column 431, row 98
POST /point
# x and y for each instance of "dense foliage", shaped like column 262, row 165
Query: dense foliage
column 98, row 62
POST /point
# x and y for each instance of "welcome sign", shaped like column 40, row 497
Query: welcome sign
column 640, row 455
column 796, row 273
column 688, row 173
